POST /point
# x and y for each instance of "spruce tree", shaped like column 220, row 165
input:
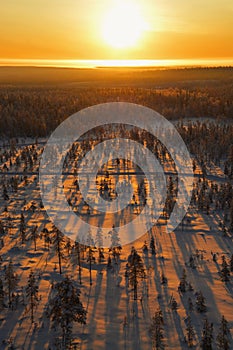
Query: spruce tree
column 22, row 228
column 65, row 308
column 190, row 333
column 200, row 302
column 225, row 271
column 152, row 245
column 136, row 270
column 157, row 331
column 231, row 263
column 32, row 294
column 2, row 294
column 11, row 280
column 58, row 241
column 207, row 336
column 183, row 282
column 77, row 253
column 222, row 339
column 34, row 235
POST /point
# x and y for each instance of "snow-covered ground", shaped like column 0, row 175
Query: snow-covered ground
column 114, row 319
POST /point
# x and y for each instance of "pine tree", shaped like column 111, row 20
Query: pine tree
column 225, row 272
column 222, row 339
column 136, row 270
column 200, row 302
column 157, row 331
column 11, row 280
column 190, row 333
column 207, row 336
column 32, row 294
column 66, row 308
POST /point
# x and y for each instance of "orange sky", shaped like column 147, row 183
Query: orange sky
column 72, row 29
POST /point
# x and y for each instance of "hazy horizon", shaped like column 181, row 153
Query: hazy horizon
column 68, row 63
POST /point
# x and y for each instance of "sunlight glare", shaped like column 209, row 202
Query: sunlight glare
column 123, row 26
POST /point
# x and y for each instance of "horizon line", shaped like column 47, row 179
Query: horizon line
column 110, row 63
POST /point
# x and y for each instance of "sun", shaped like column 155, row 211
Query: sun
column 123, row 26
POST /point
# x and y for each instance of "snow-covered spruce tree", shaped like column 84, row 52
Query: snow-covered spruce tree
column 135, row 270
column 207, row 336
column 2, row 294
column 58, row 241
column 222, row 339
column 11, row 280
column 190, row 334
column 65, row 308
column 225, row 271
column 200, row 302
column 157, row 331
column 32, row 294
column 22, row 228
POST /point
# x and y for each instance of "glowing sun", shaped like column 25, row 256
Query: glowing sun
column 123, row 26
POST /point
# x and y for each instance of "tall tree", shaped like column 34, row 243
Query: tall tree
column 190, row 333
column 136, row 270
column 222, row 339
column 66, row 308
column 32, row 294
column 157, row 331
column 207, row 336
column 11, row 280
column 58, row 241
column 22, row 228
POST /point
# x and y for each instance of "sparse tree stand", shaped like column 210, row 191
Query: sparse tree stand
column 66, row 308
column 135, row 270
column 32, row 294
column 156, row 331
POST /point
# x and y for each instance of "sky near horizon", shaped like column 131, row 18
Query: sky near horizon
column 90, row 29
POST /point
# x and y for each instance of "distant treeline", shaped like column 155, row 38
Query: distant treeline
column 35, row 111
